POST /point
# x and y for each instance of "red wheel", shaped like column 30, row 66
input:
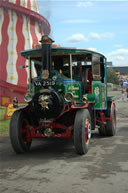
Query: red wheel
column 110, row 128
column 25, row 132
column 87, row 131
column 82, row 131
column 20, row 132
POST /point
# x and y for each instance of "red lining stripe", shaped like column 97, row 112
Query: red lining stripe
column 33, row 33
column 4, row 46
column 18, row 2
column 22, row 75
column 29, row 4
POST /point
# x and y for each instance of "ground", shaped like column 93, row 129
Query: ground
column 54, row 167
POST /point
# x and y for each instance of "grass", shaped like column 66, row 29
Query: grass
column 4, row 124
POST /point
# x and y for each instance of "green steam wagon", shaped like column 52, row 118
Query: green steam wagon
column 66, row 97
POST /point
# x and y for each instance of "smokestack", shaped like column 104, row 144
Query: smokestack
column 46, row 56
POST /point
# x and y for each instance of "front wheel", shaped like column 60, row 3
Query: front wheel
column 82, row 131
column 19, row 132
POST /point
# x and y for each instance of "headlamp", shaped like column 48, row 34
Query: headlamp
column 69, row 97
column 84, row 99
column 27, row 97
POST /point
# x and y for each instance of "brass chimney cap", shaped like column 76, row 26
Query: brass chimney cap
column 46, row 40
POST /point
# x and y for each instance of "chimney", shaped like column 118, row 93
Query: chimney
column 46, row 55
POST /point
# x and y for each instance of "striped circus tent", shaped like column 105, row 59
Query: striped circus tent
column 21, row 28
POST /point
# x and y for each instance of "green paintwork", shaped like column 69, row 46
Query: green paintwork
column 68, row 87
column 99, row 89
column 91, row 98
column 75, row 89
column 64, row 84
column 111, row 98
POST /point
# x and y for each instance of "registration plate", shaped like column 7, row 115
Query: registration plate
column 45, row 83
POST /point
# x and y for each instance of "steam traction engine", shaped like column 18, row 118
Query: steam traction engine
column 67, row 98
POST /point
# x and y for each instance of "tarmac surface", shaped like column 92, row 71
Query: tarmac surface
column 54, row 167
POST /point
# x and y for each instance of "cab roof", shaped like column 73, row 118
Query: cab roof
column 35, row 53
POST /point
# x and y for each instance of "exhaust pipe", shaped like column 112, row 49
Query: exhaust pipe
column 46, row 56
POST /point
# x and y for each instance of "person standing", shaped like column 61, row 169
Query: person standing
column 127, row 89
column 122, row 89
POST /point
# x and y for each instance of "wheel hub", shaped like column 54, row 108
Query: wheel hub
column 87, row 131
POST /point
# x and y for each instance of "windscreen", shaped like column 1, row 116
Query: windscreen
column 62, row 65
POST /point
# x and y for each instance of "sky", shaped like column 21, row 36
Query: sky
column 97, row 25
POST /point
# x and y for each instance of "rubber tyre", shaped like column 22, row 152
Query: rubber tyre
column 102, row 130
column 80, row 130
column 19, row 121
column 111, row 124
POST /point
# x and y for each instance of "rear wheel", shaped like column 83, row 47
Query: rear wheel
column 102, row 130
column 19, row 132
column 82, row 131
column 111, row 124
